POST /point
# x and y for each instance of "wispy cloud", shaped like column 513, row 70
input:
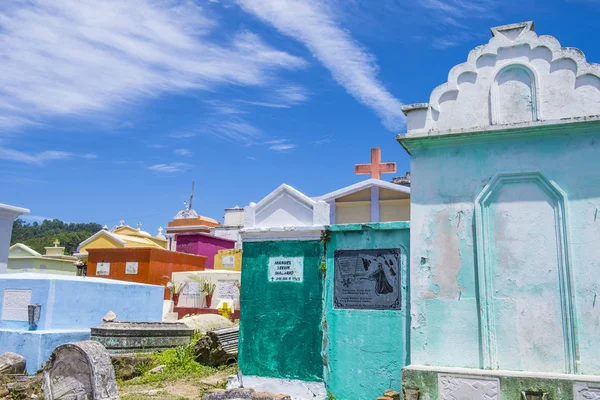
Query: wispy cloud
column 323, row 140
column 74, row 57
column 41, row 157
column 182, row 135
column 170, row 168
column 183, row 152
column 314, row 24
column 282, row 97
column 280, row 145
column 158, row 146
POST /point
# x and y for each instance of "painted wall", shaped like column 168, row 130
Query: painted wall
column 528, row 243
column 225, row 282
column 41, row 265
column 280, row 326
column 70, row 307
column 7, row 216
column 155, row 266
column 203, row 245
column 236, row 254
column 366, row 349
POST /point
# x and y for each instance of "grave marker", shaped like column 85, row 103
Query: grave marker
column 81, row 370
column 14, row 305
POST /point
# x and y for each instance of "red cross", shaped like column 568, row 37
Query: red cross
column 376, row 168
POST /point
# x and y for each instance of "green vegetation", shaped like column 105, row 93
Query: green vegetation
column 181, row 378
column 37, row 236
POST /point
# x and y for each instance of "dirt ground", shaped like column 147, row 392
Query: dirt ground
column 181, row 389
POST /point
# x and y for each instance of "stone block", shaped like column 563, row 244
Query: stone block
column 12, row 363
column 141, row 337
column 392, row 393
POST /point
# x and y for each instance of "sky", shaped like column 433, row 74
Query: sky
column 109, row 110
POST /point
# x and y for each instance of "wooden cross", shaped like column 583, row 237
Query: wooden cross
column 225, row 311
column 376, row 168
column 56, row 243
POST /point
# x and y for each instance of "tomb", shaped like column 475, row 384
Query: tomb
column 81, row 370
column 203, row 244
column 120, row 237
column 192, row 301
column 503, row 277
column 366, row 308
column 188, row 221
column 22, row 258
column 371, row 200
column 281, row 293
column 8, row 214
column 233, row 222
column 142, row 265
column 38, row 312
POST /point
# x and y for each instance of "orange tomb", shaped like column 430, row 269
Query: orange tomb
column 142, row 265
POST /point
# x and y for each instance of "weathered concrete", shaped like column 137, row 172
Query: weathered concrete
column 365, row 350
column 12, row 363
column 81, row 370
column 134, row 337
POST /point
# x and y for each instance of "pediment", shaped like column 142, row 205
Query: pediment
column 285, row 207
column 517, row 78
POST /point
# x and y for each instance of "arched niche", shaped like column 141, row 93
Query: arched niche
column 527, row 318
column 514, row 95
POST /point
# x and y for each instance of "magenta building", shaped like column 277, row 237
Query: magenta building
column 203, row 244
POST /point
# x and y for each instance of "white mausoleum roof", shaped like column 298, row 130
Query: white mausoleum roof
column 517, row 79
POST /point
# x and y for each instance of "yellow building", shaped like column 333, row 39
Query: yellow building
column 120, row 237
column 22, row 258
column 229, row 260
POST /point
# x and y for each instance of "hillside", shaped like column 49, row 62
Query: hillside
column 37, row 236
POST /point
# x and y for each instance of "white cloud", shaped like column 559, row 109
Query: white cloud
column 183, row 152
column 282, row 97
column 73, row 57
column 315, row 25
column 169, row 168
column 280, row 145
column 41, row 157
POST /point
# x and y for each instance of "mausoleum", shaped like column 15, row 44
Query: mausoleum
column 8, row 214
column 22, row 258
column 39, row 312
column 503, row 273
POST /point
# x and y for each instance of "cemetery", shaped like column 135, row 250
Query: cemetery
column 474, row 277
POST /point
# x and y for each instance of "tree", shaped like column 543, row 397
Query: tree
column 37, row 236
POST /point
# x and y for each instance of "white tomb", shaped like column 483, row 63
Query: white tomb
column 8, row 214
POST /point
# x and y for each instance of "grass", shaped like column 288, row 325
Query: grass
column 180, row 369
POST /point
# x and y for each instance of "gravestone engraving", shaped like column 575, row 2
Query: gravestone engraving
column 191, row 290
column 103, row 268
column 81, row 370
column 228, row 261
column 452, row 387
column 367, row 279
column 14, row 305
column 227, row 289
column 286, row 269
column 131, row 268
column 586, row 391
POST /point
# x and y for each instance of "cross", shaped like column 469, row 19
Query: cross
column 121, row 223
column 139, row 224
column 160, row 230
column 56, row 243
column 225, row 311
column 376, row 168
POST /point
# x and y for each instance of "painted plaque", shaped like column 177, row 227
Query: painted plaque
column 14, row 305
column 286, row 269
column 367, row 279
column 226, row 289
column 102, row 268
column 228, row 261
column 131, row 268
column 191, row 290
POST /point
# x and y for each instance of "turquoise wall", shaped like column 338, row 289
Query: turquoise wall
column 365, row 350
column 280, row 324
column 446, row 255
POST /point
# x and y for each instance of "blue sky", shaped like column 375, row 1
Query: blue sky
column 108, row 110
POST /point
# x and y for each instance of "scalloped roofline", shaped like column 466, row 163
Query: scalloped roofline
column 521, row 33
